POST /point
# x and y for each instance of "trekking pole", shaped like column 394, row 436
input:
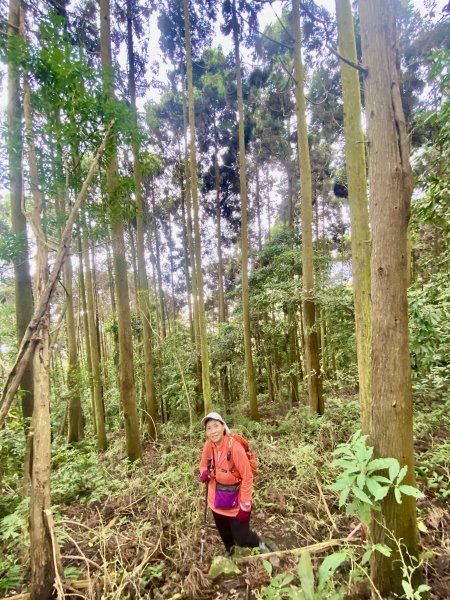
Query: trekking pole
column 203, row 529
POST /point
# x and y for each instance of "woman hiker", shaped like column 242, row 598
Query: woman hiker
column 230, row 485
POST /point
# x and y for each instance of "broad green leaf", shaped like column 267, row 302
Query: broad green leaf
column 383, row 549
column 401, row 475
column 362, row 495
column 378, row 491
column 366, row 556
column 409, row 490
column 380, row 479
column 306, row 575
column 338, row 485
column 394, row 468
column 409, row 591
column 343, row 497
column 378, row 464
column 329, row 566
column 398, row 495
column 361, row 480
column 268, row 566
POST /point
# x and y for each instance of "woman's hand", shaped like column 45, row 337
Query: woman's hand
column 243, row 515
column 205, row 476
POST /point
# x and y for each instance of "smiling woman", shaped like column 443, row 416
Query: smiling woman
column 225, row 469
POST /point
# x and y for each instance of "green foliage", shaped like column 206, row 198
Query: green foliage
column 279, row 588
column 12, row 450
column 361, row 483
column 78, row 475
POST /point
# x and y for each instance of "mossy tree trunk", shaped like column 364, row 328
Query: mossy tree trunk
column 391, row 185
column 126, row 366
column 359, row 212
column 206, row 387
column 312, row 350
column 41, row 556
column 143, row 290
column 249, row 367
column 98, row 408
column 22, row 277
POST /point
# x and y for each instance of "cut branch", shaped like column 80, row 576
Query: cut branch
column 314, row 548
column 31, row 335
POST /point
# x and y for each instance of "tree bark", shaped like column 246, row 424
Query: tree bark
column 126, row 367
column 249, row 367
column 206, row 387
column 87, row 343
column 75, row 430
column 143, row 291
column 99, row 413
column 313, row 371
column 42, row 566
column 391, row 185
column 22, row 278
column 359, row 212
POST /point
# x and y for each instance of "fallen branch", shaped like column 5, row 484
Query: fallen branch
column 314, row 548
column 322, row 497
column 31, row 334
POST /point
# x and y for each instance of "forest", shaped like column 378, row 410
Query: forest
column 239, row 206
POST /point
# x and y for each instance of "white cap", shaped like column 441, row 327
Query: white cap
column 214, row 416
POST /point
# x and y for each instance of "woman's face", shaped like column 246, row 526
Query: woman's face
column 214, row 431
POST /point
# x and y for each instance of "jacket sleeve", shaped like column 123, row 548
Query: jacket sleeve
column 206, row 453
column 243, row 467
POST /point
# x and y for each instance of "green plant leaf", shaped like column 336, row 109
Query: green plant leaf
column 329, row 566
column 383, row 549
column 268, row 566
column 378, row 464
column 394, row 468
column 380, row 479
column 343, row 497
column 378, row 491
column 401, row 475
column 398, row 495
column 362, row 495
column 409, row 490
column 409, row 591
column 306, row 575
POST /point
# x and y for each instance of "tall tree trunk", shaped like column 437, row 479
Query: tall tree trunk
column 126, row 366
column 359, row 213
column 99, row 413
column 258, row 204
column 206, row 388
column 189, row 230
column 158, row 267
column 186, row 265
column 42, row 566
column 249, row 368
column 172, row 267
column 75, row 431
column 132, row 245
column 391, row 185
column 221, row 292
column 86, row 330
column 143, row 291
column 22, row 278
column 312, row 352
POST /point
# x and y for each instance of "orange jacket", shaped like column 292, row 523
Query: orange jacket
column 228, row 472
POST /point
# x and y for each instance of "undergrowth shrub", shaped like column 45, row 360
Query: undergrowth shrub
column 79, row 476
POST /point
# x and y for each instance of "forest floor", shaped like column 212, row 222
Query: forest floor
column 134, row 531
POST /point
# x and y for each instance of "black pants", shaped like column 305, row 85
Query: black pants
column 235, row 533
